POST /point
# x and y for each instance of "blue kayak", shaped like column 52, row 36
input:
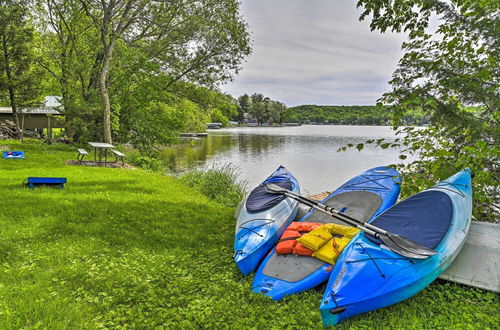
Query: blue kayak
column 363, row 197
column 368, row 276
column 262, row 218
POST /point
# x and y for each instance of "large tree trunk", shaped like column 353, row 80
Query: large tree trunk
column 103, row 77
column 12, row 94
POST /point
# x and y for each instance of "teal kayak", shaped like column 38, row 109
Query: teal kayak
column 368, row 276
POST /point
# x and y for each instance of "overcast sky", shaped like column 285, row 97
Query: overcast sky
column 315, row 52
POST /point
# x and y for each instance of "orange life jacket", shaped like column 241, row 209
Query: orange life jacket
column 288, row 243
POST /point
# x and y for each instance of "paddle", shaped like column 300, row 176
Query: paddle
column 394, row 242
column 403, row 242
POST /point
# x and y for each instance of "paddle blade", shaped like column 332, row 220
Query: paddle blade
column 410, row 245
column 275, row 189
column 397, row 249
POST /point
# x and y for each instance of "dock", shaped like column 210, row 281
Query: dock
column 478, row 264
column 193, row 134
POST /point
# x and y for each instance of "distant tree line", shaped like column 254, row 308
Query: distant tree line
column 127, row 70
column 263, row 110
column 350, row 115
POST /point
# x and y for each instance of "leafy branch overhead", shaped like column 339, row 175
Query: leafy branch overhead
column 198, row 41
column 450, row 72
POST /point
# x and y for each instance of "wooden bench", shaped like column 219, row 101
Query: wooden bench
column 32, row 182
column 81, row 154
column 118, row 155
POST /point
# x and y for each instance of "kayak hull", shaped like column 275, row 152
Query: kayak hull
column 368, row 277
column 256, row 232
column 279, row 276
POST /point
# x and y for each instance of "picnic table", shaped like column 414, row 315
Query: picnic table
column 101, row 146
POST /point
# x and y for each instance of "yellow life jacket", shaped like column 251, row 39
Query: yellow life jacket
column 328, row 240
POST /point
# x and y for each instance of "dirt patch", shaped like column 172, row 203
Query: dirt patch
column 96, row 164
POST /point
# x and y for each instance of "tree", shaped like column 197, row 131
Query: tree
column 17, row 74
column 452, row 75
column 68, row 53
column 201, row 41
column 244, row 102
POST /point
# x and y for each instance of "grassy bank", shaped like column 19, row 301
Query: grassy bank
column 129, row 248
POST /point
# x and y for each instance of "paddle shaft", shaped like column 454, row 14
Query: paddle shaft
column 329, row 210
column 397, row 243
column 393, row 246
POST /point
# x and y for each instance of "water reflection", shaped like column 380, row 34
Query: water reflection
column 310, row 152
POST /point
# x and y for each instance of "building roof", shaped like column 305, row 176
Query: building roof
column 33, row 111
column 48, row 108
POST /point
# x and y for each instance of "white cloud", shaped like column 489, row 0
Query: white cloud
column 315, row 52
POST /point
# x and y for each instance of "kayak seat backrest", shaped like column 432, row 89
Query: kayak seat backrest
column 260, row 200
column 423, row 218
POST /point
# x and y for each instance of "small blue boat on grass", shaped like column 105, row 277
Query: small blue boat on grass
column 262, row 218
column 364, row 197
column 368, row 276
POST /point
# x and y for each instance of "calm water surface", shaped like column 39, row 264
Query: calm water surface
column 309, row 152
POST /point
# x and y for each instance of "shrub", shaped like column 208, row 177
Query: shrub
column 146, row 162
column 219, row 182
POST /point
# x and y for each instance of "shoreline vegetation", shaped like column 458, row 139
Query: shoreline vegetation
column 132, row 248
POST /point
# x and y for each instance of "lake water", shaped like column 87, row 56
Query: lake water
column 309, row 152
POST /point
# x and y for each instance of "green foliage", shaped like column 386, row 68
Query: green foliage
column 219, row 183
column 146, row 162
column 217, row 116
column 19, row 78
column 351, row 115
column 451, row 75
column 159, row 123
column 124, row 248
column 262, row 109
column 437, row 157
column 131, row 53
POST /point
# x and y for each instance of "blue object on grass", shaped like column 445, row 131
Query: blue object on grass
column 365, row 196
column 368, row 276
column 261, row 220
column 13, row 154
column 32, row 182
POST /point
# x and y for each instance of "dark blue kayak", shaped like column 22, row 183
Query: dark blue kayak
column 363, row 197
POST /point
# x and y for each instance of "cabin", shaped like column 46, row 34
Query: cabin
column 49, row 115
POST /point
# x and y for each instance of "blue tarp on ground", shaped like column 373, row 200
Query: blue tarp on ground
column 423, row 218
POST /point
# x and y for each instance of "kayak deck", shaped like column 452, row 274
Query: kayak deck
column 364, row 196
column 292, row 268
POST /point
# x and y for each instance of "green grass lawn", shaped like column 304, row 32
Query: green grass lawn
column 133, row 249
